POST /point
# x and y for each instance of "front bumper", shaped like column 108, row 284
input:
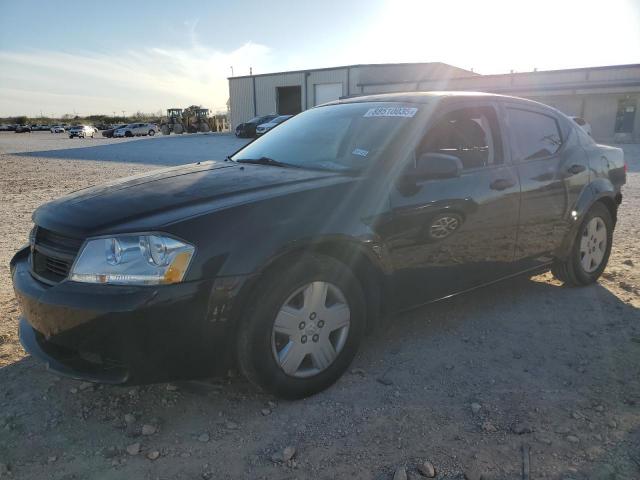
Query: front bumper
column 123, row 334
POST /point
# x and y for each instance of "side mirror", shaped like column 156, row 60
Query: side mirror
column 435, row 165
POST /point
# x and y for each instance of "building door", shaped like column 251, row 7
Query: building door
column 626, row 116
column 289, row 100
column 327, row 92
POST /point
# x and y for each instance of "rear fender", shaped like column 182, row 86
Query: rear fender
column 600, row 189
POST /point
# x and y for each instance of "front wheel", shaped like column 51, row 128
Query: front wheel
column 152, row 133
column 590, row 251
column 301, row 332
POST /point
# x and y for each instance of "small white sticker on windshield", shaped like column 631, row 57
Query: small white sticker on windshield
column 407, row 112
column 360, row 152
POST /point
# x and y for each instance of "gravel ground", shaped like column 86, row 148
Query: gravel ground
column 467, row 384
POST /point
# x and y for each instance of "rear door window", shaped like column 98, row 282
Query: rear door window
column 535, row 134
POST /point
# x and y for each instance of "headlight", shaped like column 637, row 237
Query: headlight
column 145, row 259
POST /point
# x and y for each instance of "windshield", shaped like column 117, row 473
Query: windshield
column 337, row 137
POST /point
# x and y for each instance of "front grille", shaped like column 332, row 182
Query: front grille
column 53, row 254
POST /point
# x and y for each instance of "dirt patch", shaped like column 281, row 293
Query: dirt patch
column 464, row 384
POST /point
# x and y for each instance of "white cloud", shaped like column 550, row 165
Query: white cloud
column 146, row 79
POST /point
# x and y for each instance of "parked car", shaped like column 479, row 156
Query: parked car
column 265, row 127
column 586, row 126
column 57, row 129
column 81, row 131
column 248, row 129
column 4, row 128
column 23, row 129
column 109, row 132
column 364, row 207
column 136, row 130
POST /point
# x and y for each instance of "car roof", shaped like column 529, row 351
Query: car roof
column 425, row 97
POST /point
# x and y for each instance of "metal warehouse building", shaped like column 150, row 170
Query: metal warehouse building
column 606, row 97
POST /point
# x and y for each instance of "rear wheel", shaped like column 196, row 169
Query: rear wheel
column 301, row 332
column 128, row 134
column 152, row 133
column 590, row 251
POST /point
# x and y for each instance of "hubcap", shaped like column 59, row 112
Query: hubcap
column 444, row 226
column 593, row 244
column 310, row 329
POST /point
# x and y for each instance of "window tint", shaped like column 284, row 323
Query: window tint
column 536, row 135
column 471, row 134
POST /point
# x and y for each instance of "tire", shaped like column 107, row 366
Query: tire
column 263, row 348
column 590, row 250
column 152, row 133
column 128, row 134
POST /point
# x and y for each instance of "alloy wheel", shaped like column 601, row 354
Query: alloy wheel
column 310, row 329
column 593, row 244
column 444, row 226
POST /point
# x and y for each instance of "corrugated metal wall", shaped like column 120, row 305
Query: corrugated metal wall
column 576, row 92
column 241, row 100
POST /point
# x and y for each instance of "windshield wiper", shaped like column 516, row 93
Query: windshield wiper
column 267, row 161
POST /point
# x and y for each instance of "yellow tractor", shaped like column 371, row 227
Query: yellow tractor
column 196, row 119
column 173, row 122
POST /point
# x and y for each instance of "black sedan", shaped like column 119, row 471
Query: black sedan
column 248, row 129
column 362, row 207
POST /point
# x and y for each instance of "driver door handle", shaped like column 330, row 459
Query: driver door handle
column 502, row 184
column 575, row 169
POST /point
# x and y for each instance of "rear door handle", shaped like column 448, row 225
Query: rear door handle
column 575, row 169
column 502, row 184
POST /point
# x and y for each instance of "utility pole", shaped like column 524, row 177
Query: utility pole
column 123, row 114
column 232, row 70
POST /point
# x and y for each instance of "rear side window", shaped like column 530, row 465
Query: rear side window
column 536, row 135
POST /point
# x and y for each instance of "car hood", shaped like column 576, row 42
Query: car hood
column 165, row 196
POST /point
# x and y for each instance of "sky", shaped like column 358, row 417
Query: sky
column 80, row 57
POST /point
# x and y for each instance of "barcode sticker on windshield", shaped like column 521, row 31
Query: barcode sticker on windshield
column 360, row 152
column 406, row 112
